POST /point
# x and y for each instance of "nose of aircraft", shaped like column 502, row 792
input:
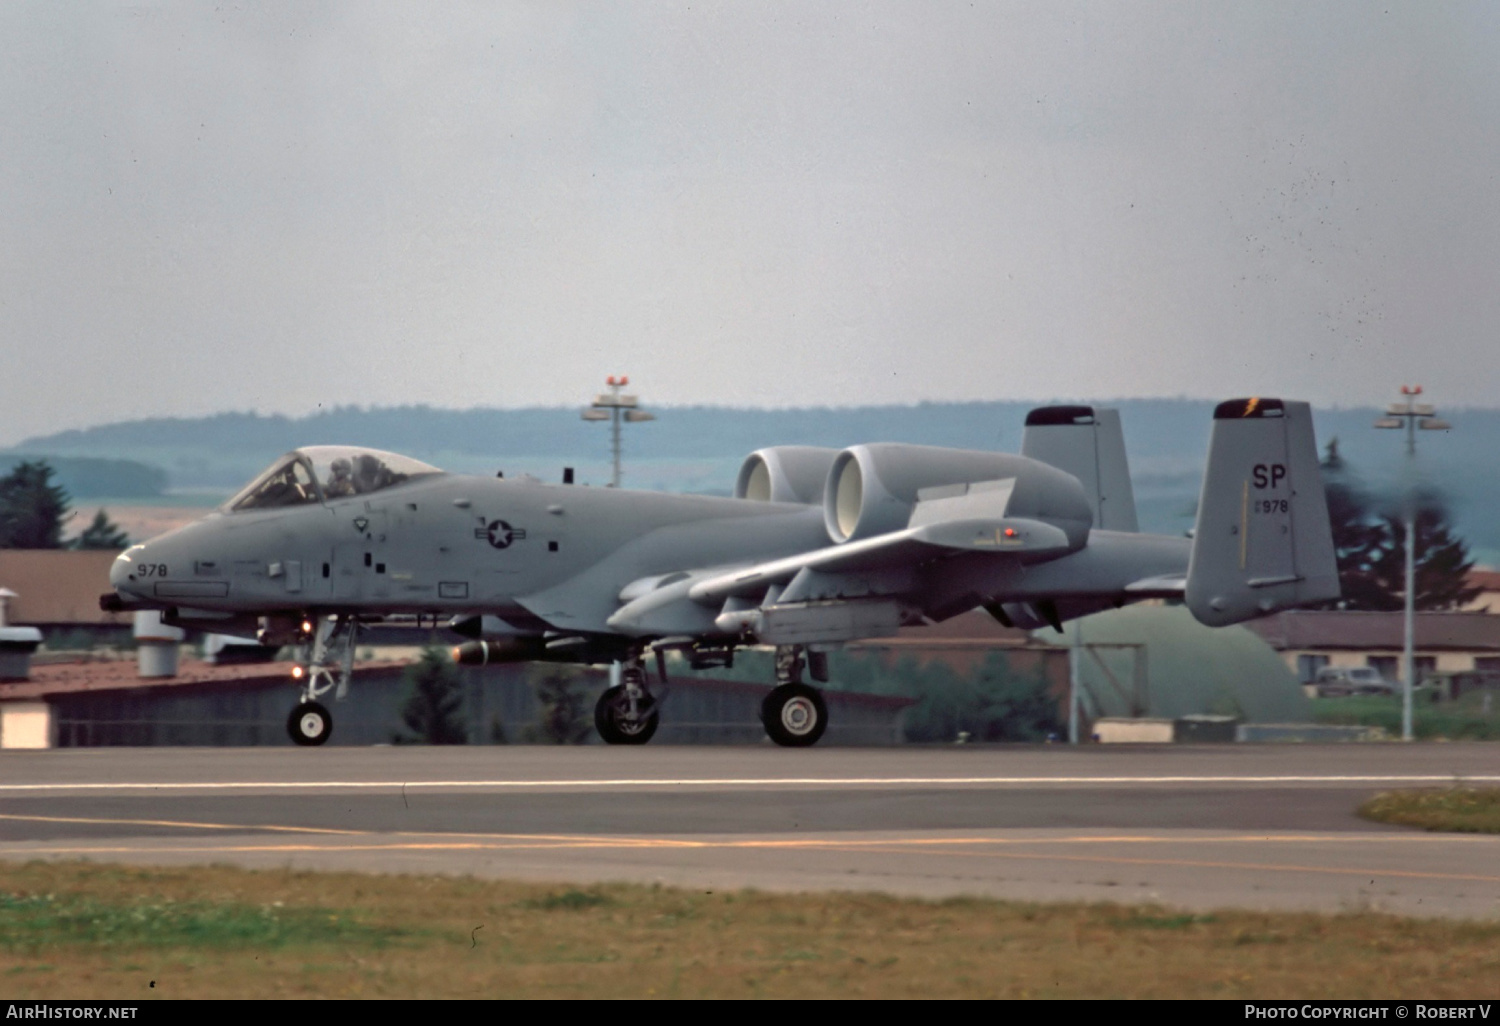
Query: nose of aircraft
column 120, row 571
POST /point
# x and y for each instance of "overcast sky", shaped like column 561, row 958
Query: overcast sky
column 275, row 206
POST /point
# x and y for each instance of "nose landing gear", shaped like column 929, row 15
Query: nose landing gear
column 329, row 667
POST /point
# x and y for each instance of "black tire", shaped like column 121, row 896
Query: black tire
column 612, row 720
column 794, row 715
column 309, row 724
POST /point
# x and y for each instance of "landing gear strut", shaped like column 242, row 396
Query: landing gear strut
column 329, row 666
column 627, row 713
column 794, row 714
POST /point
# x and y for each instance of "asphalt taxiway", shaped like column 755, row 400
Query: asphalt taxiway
column 1189, row 826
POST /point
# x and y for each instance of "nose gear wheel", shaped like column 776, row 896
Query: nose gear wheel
column 309, row 724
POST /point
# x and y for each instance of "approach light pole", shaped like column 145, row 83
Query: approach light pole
column 1412, row 416
column 616, row 408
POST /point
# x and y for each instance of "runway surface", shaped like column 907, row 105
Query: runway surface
column 1190, row 826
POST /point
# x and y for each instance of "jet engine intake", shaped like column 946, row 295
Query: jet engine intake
column 785, row 473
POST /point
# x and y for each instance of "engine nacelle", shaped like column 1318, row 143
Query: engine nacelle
column 785, row 473
column 875, row 489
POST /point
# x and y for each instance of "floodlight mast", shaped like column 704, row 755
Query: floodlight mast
column 616, row 408
column 1411, row 415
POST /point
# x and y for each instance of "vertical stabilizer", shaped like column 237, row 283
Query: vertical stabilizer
column 1087, row 442
column 1262, row 540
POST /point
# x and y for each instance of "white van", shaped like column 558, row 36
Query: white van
column 1334, row 681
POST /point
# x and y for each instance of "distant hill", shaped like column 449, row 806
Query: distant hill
column 90, row 477
column 697, row 448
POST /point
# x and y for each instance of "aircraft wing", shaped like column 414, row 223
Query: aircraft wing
column 898, row 549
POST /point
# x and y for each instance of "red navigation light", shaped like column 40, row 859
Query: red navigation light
column 1010, row 532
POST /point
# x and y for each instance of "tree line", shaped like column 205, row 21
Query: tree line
column 1369, row 541
column 34, row 508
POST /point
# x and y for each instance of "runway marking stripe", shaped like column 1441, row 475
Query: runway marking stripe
column 278, row 785
column 178, row 823
column 813, row 842
column 894, row 848
column 253, row 827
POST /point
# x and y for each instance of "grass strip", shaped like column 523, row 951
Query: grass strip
column 1470, row 718
column 36, row 922
column 87, row 930
column 1468, row 810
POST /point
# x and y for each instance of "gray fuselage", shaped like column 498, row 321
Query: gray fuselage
column 556, row 555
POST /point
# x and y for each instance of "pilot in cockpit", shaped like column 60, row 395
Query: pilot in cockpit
column 340, row 480
column 371, row 474
column 293, row 480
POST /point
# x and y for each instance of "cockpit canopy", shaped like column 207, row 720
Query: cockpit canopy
column 322, row 473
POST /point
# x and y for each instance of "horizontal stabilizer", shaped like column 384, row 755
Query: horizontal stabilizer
column 1157, row 587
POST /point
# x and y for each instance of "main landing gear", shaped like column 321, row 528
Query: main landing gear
column 627, row 713
column 794, row 714
column 329, row 667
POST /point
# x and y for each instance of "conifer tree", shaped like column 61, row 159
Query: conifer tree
column 1358, row 534
column 1442, row 561
column 32, row 508
column 432, row 711
column 562, row 717
column 1369, row 542
column 103, row 534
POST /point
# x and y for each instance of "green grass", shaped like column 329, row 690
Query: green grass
column 568, row 901
column 83, row 930
column 1469, row 810
column 1464, row 720
column 34, row 922
column 1149, row 922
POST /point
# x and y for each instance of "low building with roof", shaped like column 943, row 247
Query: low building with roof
column 1488, row 599
column 105, row 702
column 58, row 590
column 1445, row 644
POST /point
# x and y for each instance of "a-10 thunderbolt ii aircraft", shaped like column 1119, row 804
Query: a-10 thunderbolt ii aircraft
column 817, row 547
